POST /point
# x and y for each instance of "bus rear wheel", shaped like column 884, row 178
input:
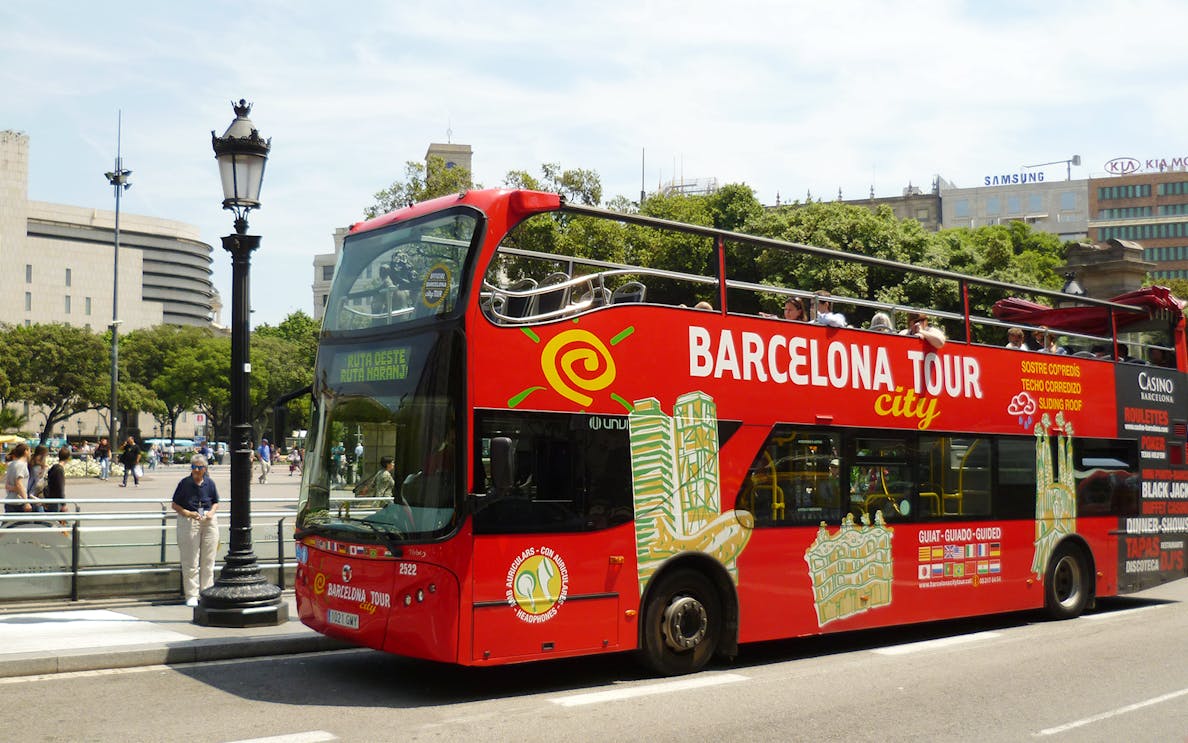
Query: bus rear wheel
column 682, row 624
column 1067, row 587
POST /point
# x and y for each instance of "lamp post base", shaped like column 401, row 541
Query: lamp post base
column 268, row 614
column 241, row 597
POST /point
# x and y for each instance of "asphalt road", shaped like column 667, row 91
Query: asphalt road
column 1120, row 673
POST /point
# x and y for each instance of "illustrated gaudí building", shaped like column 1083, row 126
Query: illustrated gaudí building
column 674, row 469
column 851, row 570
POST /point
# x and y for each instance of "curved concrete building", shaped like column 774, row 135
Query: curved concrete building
column 59, row 260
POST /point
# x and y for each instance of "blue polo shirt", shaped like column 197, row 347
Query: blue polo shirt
column 194, row 497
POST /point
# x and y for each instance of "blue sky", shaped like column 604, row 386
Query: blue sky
column 788, row 97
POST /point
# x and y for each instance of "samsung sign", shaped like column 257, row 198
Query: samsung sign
column 1128, row 165
column 1012, row 179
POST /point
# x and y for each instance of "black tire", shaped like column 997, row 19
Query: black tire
column 1068, row 584
column 682, row 623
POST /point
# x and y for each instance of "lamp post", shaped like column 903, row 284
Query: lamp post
column 118, row 178
column 1074, row 160
column 240, row 596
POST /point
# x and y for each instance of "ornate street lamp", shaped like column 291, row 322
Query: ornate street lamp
column 240, row 596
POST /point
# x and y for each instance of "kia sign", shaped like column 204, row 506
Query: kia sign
column 1129, row 165
column 1123, row 166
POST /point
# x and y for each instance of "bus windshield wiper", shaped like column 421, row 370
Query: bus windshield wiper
column 391, row 537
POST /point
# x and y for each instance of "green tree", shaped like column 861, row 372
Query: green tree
column 422, row 181
column 278, row 368
column 577, row 185
column 207, row 370
column 300, row 333
column 61, row 368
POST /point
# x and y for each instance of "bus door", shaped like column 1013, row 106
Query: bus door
column 554, row 547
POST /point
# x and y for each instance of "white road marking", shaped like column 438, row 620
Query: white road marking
column 630, row 692
column 926, row 645
column 310, row 736
column 72, row 630
column 1112, row 713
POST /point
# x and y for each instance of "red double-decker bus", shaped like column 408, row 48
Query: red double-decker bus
column 545, row 430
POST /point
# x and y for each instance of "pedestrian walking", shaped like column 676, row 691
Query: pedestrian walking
column 16, row 480
column 195, row 501
column 38, row 476
column 130, row 458
column 103, row 456
column 264, row 452
column 55, row 488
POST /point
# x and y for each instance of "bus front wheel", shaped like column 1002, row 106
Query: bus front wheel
column 682, row 623
column 1067, row 586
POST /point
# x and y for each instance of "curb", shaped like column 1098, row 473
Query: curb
column 196, row 651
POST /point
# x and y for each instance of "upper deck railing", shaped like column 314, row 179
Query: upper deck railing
column 546, row 286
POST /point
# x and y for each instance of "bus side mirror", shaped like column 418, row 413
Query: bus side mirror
column 503, row 464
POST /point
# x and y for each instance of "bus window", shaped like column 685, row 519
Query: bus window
column 954, row 476
column 881, row 479
column 1107, row 477
column 1014, row 493
column 393, row 276
column 563, row 472
column 795, row 479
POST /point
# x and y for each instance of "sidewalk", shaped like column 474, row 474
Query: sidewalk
column 103, row 635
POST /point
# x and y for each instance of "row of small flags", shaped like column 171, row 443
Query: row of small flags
column 954, row 560
column 960, row 551
column 925, row 571
column 354, row 550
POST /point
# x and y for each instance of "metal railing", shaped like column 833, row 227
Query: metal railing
column 38, row 562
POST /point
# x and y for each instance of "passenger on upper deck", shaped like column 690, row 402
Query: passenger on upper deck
column 1015, row 340
column 881, row 322
column 825, row 314
column 793, row 310
column 1159, row 357
column 920, row 327
column 1045, row 342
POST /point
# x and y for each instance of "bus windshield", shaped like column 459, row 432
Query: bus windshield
column 392, row 276
column 382, row 459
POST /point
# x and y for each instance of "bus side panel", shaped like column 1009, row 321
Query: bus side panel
column 552, row 595
column 798, row 581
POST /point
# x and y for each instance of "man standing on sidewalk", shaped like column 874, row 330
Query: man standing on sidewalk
column 195, row 501
column 103, row 456
column 265, row 454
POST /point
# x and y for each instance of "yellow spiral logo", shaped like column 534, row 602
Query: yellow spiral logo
column 577, row 360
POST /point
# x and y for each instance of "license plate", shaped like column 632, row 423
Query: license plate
column 343, row 619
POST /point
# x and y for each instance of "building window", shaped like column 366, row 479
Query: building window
column 1068, row 200
column 327, row 273
column 28, row 273
column 922, row 214
column 993, row 205
column 961, row 208
column 1014, row 205
column 67, row 304
column 68, row 277
column 28, row 301
column 1035, row 203
column 324, row 298
column 87, row 306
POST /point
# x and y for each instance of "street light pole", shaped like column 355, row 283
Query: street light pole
column 240, row 596
column 118, row 178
